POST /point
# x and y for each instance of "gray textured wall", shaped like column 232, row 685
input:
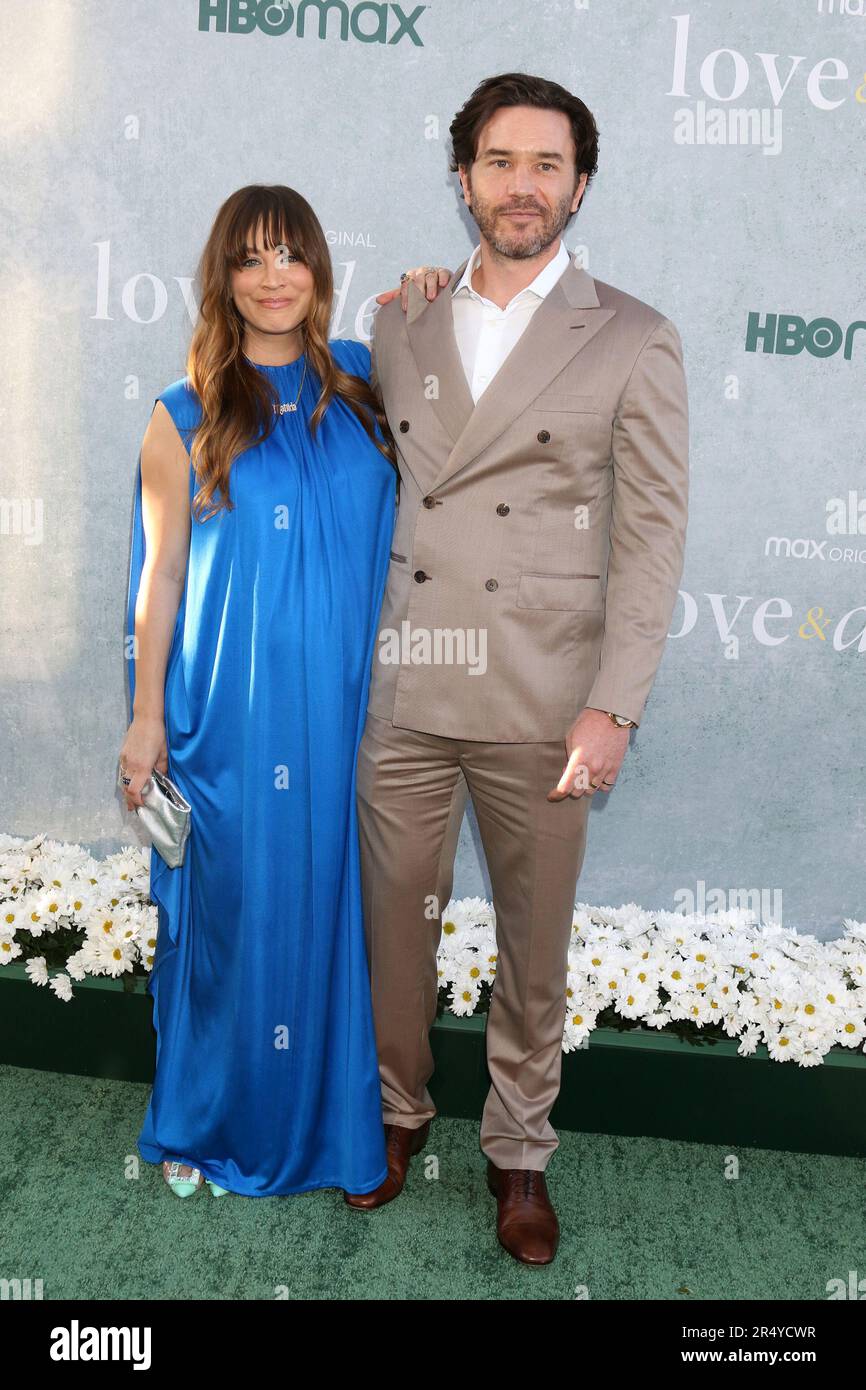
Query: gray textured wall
column 728, row 187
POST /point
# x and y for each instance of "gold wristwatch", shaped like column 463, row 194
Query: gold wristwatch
column 620, row 720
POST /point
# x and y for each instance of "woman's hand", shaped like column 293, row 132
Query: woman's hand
column 429, row 279
column 144, row 749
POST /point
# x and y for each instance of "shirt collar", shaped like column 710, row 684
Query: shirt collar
column 540, row 286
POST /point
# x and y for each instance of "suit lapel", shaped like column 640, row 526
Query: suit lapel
column 564, row 322
column 430, row 326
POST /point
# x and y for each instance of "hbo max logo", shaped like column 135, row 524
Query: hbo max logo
column 381, row 23
column 789, row 334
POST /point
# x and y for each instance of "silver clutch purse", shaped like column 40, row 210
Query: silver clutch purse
column 165, row 815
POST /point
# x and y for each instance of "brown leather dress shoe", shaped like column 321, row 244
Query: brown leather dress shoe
column 526, row 1223
column 400, row 1144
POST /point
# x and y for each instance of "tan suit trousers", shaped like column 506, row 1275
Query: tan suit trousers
column 411, row 797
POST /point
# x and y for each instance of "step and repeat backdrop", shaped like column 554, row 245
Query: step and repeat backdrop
column 729, row 195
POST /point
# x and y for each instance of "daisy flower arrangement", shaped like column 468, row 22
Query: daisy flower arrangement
column 66, row 915
column 719, row 975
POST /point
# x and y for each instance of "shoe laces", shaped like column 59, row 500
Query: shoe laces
column 527, row 1182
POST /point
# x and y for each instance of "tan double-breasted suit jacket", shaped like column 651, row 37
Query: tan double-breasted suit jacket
column 552, row 513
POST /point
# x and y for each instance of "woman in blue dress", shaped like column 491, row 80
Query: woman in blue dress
column 264, row 509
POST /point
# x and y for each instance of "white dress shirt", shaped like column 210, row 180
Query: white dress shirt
column 485, row 333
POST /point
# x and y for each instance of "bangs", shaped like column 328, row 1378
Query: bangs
column 271, row 223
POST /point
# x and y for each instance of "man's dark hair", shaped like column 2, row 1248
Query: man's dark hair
column 520, row 89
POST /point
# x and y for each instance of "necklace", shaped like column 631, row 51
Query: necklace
column 283, row 406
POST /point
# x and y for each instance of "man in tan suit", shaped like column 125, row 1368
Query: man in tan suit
column 541, row 422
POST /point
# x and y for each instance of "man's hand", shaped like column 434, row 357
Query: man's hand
column 596, row 748
column 428, row 281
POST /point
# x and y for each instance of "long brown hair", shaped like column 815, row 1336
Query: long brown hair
column 236, row 399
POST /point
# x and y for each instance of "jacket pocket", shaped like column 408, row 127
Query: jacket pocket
column 567, row 401
column 566, row 592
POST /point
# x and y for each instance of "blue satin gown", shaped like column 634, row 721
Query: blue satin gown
column 266, row 1073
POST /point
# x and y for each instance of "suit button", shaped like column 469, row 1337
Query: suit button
column 492, row 585
column 543, row 436
column 503, row 509
column 419, row 576
column 404, row 425
column 429, row 501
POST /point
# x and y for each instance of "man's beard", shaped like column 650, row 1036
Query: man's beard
column 508, row 238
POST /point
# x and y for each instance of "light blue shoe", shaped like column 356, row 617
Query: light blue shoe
column 216, row 1189
column 182, row 1185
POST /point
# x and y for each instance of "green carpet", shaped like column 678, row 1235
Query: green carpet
column 640, row 1218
